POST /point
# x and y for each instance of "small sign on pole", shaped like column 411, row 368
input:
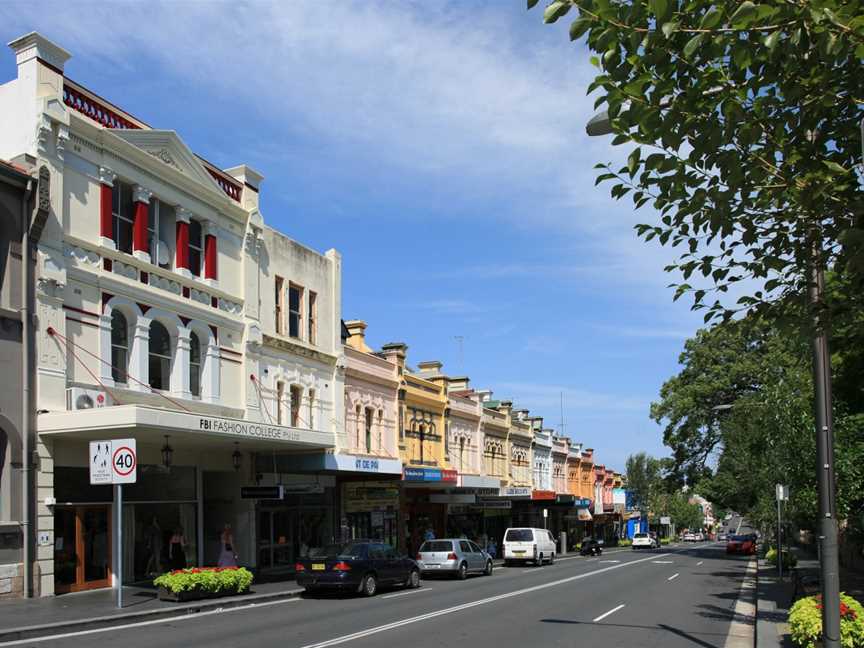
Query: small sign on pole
column 115, row 462
column 782, row 492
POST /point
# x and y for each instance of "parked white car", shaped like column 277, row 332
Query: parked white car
column 689, row 537
column 523, row 544
column 645, row 541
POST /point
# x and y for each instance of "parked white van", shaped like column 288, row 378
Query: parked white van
column 524, row 544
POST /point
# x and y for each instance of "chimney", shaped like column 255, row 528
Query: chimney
column 357, row 335
column 588, row 453
column 485, row 395
column 429, row 368
column 34, row 46
column 521, row 414
column 395, row 352
column 458, row 383
column 505, row 407
column 251, row 181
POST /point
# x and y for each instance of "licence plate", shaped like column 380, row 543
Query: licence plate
column 318, row 566
column 432, row 565
column 519, row 551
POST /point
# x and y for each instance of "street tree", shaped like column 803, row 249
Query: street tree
column 742, row 122
column 644, row 479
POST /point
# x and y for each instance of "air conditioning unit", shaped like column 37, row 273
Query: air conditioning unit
column 82, row 398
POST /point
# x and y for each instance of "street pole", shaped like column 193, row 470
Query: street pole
column 118, row 498
column 779, row 541
column 829, row 563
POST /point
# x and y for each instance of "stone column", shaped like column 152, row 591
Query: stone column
column 140, row 244
column 106, row 203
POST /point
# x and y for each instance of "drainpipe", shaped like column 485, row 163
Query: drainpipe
column 26, row 409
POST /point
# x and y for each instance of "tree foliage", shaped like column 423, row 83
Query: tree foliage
column 742, row 119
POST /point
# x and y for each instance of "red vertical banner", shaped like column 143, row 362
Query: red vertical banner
column 182, row 244
column 211, row 270
column 139, row 228
column 106, row 226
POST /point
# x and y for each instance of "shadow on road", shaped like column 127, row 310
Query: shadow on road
column 660, row 627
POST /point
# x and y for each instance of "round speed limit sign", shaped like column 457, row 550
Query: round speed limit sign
column 124, row 461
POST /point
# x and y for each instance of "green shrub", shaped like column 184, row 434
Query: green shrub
column 805, row 622
column 207, row 579
column 625, row 543
column 789, row 559
column 665, row 541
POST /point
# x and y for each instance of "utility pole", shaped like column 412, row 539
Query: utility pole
column 829, row 565
column 562, row 413
column 460, row 340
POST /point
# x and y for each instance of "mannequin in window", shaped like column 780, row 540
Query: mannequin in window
column 228, row 554
column 153, row 544
column 177, row 549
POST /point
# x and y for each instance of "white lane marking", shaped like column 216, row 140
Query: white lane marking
column 458, row 608
column 610, row 561
column 663, row 562
column 699, row 563
column 413, row 591
column 173, row 619
column 606, row 614
column 673, row 576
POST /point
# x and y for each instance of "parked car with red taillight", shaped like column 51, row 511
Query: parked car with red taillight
column 741, row 544
column 360, row 566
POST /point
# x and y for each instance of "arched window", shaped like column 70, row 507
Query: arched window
column 370, row 419
column 194, row 364
column 160, row 356
column 119, row 346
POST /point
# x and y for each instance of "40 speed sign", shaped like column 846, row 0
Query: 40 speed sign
column 113, row 462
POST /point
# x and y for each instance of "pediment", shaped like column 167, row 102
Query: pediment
column 167, row 147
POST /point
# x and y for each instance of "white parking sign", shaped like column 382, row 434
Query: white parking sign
column 100, row 463
column 124, row 461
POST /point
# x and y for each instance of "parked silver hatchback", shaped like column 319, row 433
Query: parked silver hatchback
column 454, row 557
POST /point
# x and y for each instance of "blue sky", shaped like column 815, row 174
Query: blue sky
column 440, row 147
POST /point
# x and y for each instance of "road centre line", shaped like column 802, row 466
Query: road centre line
column 413, row 591
column 663, row 562
column 610, row 561
column 170, row 619
column 673, row 576
column 699, row 563
column 458, row 608
column 606, row 614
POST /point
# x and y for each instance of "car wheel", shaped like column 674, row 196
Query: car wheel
column 462, row 574
column 488, row 570
column 539, row 561
column 413, row 580
column 368, row 586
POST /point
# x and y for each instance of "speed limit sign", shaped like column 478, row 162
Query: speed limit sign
column 124, row 461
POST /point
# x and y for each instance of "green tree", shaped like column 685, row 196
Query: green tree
column 644, row 479
column 742, row 119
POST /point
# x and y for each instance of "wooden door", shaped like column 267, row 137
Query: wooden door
column 83, row 548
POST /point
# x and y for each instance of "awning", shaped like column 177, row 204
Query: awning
column 139, row 421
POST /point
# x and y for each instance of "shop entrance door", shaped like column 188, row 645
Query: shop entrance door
column 82, row 548
column 275, row 539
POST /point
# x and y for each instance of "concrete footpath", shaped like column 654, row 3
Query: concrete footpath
column 776, row 596
column 28, row 619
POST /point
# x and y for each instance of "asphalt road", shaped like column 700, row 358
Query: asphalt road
column 682, row 596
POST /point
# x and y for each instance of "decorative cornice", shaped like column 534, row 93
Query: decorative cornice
column 141, row 194
column 106, row 175
column 298, row 349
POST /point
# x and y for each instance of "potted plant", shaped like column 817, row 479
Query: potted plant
column 805, row 622
column 202, row 582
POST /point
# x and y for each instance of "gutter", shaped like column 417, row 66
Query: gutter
column 27, row 410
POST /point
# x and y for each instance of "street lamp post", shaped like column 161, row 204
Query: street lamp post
column 829, row 565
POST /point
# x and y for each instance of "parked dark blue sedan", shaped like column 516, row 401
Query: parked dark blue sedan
column 360, row 566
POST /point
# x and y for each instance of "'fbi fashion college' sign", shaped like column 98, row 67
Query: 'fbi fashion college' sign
column 254, row 430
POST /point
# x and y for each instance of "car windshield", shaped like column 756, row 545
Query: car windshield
column 347, row 550
column 436, row 545
column 641, row 535
column 519, row 535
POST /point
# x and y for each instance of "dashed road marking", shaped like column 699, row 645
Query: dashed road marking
column 606, row 614
column 413, row 591
column 672, row 577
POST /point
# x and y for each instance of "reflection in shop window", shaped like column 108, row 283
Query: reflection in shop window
column 119, row 346
column 160, row 356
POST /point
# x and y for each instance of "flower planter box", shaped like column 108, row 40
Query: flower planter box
column 192, row 595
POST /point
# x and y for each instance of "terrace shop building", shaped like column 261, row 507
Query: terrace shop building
column 149, row 326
